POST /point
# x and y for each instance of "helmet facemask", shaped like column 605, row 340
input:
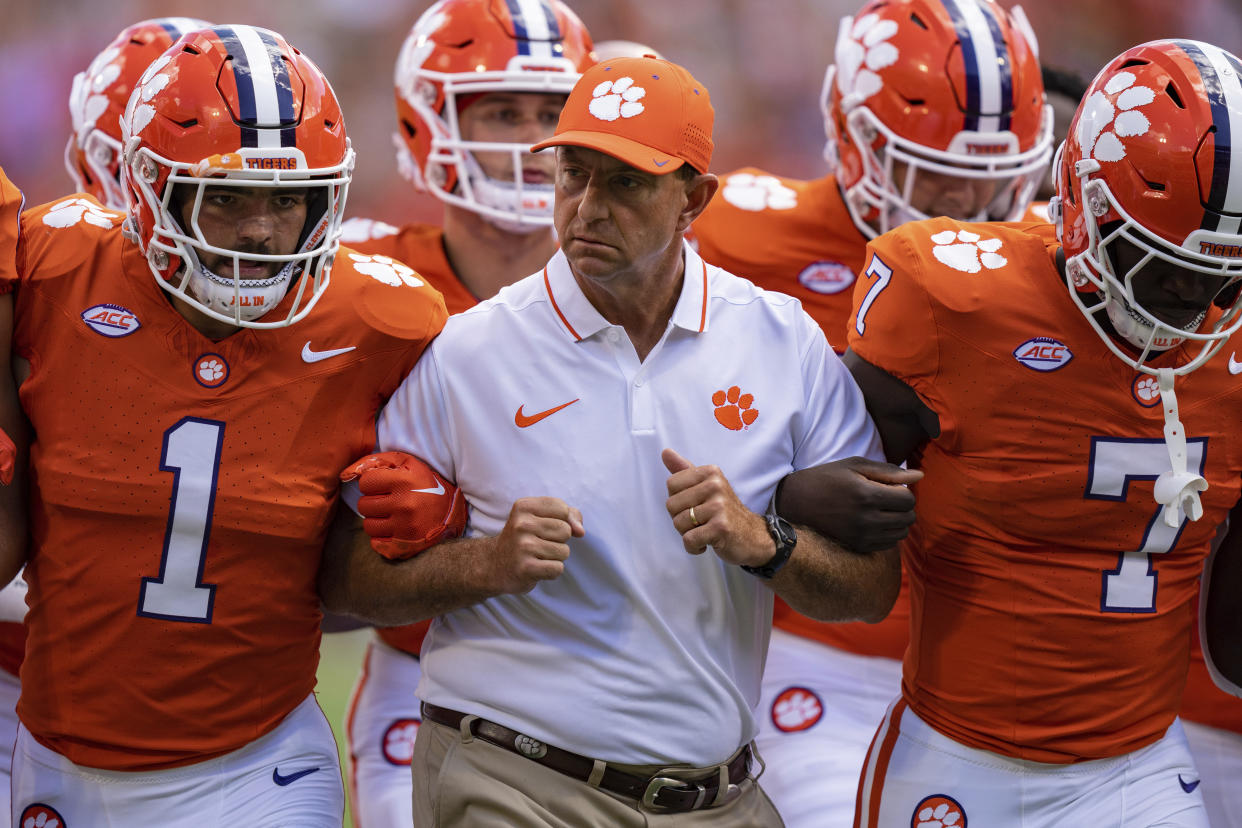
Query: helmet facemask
column 898, row 174
column 453, row 173
column 1097, row 284
column 225, row 297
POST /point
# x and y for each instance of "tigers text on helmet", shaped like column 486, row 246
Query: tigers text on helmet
column 1149, row 166
column 459, row 50
column 98, row 98
column 225, row 107
column 935, row 88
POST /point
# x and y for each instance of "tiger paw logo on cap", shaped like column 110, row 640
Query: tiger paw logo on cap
column 615, row 99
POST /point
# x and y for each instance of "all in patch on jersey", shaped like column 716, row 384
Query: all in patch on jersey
column 211, row 370
column 795, row 709
column 1146, row 390
column 1043, row 353
column 39, row 815
column 398, row 745
column 111, row 320
column 827, row 277
column 938, row 811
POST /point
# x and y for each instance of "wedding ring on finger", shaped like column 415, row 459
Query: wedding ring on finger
column 693, row 519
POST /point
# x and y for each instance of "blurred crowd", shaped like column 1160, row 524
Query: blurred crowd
column 763, row 59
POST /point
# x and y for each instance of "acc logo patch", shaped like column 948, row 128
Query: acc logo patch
column 111, row 320
column 1043, row 353
column 39, row 815
column 399, row 742
column 827, row 277
column 1146, row 390
column 795, row 709
column 211, row 371
column 938, row 811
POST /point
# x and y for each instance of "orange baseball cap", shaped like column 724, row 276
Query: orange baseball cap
column 647, row 112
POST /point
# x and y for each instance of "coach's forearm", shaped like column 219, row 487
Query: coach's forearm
column 827, row 582
column 355, row 580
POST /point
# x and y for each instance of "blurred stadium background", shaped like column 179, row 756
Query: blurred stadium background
column 763, row 61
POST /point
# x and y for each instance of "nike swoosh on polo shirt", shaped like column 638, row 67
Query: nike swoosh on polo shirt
column 527, row 420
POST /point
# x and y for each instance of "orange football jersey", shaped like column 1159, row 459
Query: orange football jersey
column 182, row 489
column 796, row 237
column 421, row 246
column 12, row 646
column 1051, row 605
column 10, row 210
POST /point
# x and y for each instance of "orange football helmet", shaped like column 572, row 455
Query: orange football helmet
column 1149, row 159
column 234, row 106
column 98, row 98
column 459, row 49
column 947, row 87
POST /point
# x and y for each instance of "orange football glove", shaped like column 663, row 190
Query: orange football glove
column 8, row 458
column 406, row 506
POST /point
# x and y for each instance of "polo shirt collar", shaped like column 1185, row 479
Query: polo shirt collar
column 579, row 318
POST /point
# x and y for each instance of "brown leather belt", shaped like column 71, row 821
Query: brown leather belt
column 662, row 792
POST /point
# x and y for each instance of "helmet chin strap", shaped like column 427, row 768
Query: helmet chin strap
column 1178, row 489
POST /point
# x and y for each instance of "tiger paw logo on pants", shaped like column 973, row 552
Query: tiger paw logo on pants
column 39, row 815
column 938, row 811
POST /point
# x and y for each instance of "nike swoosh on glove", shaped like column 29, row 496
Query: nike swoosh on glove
column 406, row 505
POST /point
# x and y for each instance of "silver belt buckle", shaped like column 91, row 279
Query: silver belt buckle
column 659, row 783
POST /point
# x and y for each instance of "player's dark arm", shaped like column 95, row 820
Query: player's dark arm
column 1222, row 611
column 13, row 537
column 860, row 503
column 903, row 419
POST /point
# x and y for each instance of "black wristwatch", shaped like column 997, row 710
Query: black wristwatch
column 785, row 538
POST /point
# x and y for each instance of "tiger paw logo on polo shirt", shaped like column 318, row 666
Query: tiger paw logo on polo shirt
column 733, row 408
column 615, row 99
column 938, row 811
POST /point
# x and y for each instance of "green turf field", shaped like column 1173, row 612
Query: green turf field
column 340, row 658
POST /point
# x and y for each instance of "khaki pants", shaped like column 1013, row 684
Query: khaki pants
column 465, row 782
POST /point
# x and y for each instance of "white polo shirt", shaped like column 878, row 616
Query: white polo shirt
column 640, row 653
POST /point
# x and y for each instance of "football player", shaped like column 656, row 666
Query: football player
column 92, row 157
column 12, row 509
column 98, row 98
column 477, row 82
column 1072, row 492
column 930, row 108
column 195, row 382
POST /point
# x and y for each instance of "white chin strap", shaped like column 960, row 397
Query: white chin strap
column 1178, row 489
column 257, row 296
column 534, row 203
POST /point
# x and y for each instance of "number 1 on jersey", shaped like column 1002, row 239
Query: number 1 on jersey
column 192, row 453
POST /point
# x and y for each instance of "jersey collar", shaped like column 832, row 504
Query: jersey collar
column 580, row 320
